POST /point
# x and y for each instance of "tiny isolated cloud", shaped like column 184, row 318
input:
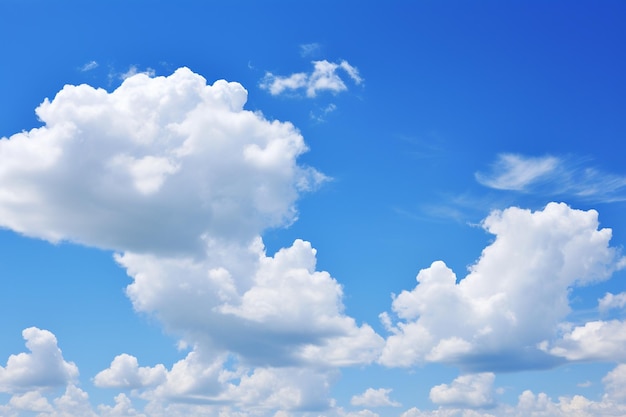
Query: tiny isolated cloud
column 325, row 77
column 89, row 66
column 374, row 398
column 310, row 49
column 474, row 391
column 44, row 367
column 552, row 175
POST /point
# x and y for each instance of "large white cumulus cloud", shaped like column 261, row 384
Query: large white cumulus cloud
column 514, row 299
column 180, row 181
column 271, row 310
column 154, row 166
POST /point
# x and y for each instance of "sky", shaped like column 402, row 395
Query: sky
column 303, row 209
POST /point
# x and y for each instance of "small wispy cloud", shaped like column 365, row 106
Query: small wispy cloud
column 321, row 115
column 89, row 66
column 133, row 70
column 516, row 172
column 310, row 49
column 554, row 176
column 324, row 77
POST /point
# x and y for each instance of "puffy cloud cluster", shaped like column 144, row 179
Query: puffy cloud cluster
column 324, row 77
column 293, row 391
column 177, row 178
column 514, row 299
column 43, row 367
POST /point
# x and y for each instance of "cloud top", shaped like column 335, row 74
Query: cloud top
column 105, row 169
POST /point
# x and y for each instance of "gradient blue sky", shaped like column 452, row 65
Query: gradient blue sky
column 173, row 246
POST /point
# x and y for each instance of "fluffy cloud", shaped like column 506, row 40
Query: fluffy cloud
column 44, row 367
column 615, row 383
column 593, row 341
column 513, row 299
column 530, row 404
column 176, row 177
column 270, row 310
column 472, row 391
column 610, row 301
column 30, row 401
column 324, row 77
column 125, row 372
column 374, row 398
column 155, row 148
column 553, row 176
column 122, row 408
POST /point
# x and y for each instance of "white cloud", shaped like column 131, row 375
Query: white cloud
column 30, row 401
column 125, row 372
column 89, row 66
column 160, row 148
column 595, row 340
column 269, row 310
column 360, row 413
column 44, row 367
column 615, row 383
column 123, row 408
column 280, row 389
column 321, row 115
column 310, row 49
column 74, row 402
column 374, row 398
column 611, row 301
column 556, row 176
column 176, row 177
column 514, row 297
column 530, row 404
column 134, row 70
column 474, row 391
column 516, row 172
column 324, row 77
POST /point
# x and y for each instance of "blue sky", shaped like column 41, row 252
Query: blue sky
column 343, row 209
